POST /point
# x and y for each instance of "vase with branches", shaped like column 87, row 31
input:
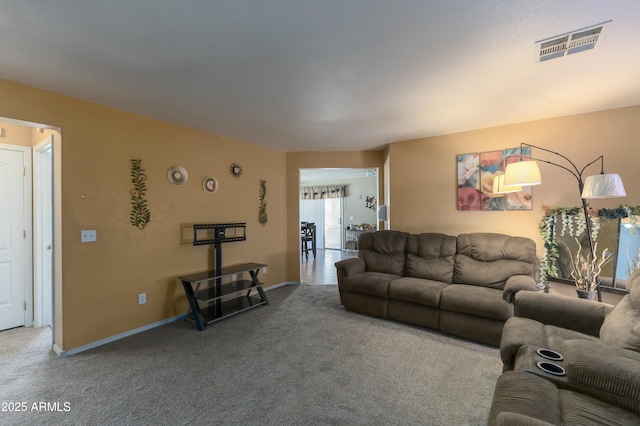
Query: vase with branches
column 585, row 269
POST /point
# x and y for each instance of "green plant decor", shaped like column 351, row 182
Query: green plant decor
column 262, row 211
column 140, row 214
column 573, row 223
column 548, row 263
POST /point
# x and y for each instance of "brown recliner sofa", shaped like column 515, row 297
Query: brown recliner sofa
column 459, row 285
column 600, row 349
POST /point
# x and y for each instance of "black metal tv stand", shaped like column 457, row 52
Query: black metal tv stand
column 211, row 297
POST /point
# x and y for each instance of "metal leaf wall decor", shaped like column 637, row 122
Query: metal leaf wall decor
column 262, row 212
column 140, row 214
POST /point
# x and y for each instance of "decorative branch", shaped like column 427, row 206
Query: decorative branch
column 140, row 214
column 262, row 212
column 585, row 269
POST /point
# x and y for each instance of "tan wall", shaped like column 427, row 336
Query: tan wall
column 423, row 174
column 310, row 160
column 102, row 280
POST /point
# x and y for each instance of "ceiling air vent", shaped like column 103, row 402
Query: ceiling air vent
column 570, row 43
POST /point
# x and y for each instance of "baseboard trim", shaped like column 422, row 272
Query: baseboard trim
column 110, row 339
column 282, row 284
column 113, row 338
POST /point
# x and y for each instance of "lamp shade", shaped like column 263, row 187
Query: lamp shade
column 522, row 173
column 603, row 186
column 499, row 188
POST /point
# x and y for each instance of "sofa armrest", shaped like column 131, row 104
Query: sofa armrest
column 347, row 268
column 350, row 266
column 606, row 372
column 516, row 283
column 582, row 315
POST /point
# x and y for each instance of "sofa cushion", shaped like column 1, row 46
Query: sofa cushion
column 417, row 290
column 475, row 300
column 487, row 259
column 430, row 256
column 580, row 409
column 371, row 283
column 383, row 251
column 534, row 397
column 604, row 372
column 556, row 336
column 621, row 327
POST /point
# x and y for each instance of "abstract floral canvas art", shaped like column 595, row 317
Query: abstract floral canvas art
column 476, row 173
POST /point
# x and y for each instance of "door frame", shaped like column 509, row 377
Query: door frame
column 28, row 235
column 43, row 288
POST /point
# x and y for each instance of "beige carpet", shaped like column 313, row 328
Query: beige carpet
column 301, row 360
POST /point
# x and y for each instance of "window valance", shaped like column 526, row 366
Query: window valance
column 322, row 192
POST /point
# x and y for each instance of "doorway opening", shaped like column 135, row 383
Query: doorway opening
column 335, row 200
column 40, row 228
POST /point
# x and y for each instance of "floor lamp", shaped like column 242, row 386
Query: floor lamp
column 527, row 173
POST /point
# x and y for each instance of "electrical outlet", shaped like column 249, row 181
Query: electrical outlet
column 142, row 298
column 264, row 269
column 88, row 236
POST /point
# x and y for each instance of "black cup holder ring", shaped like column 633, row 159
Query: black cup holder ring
column 549, row 354
column 551, row 368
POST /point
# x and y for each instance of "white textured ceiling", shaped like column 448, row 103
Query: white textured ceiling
column 303, row 75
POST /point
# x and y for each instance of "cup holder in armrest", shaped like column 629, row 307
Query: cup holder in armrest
column 549, row 354
column 551, row 368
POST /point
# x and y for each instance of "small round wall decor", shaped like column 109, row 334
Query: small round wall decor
column 209, row 184
column 236, row 170
column 177, row 175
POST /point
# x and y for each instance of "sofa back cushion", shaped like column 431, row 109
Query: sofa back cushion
column 430, row 256
column 621, row 327
column 383, row 251
column 488, row 259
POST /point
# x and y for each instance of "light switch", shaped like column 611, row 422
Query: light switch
column 88, row 236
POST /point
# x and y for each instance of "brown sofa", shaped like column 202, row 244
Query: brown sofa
column 600, row 348
column 459, row 285
column 525, row 399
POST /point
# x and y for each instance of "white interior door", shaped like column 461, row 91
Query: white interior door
column 43, row 232
column 15, row 234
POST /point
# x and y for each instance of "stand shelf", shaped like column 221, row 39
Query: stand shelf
column 211, row 300
column 211, row 297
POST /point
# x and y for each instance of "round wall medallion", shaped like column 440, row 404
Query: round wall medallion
column 235, row 169
column 209, row 184
column 177, row 175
